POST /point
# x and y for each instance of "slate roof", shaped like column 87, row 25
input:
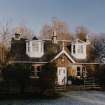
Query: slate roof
column 18, row 51
column 51, row 50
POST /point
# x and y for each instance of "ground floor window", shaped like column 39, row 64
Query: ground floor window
column 78, row 71
column 83, row 72
column 36, row 71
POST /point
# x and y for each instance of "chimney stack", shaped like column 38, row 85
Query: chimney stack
column 87, row 39
column 54, row 37
column 17, row 36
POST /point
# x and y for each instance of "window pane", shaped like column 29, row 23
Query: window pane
column 28, row 46
column 80, row 48
column 78, row 71
column 63, row 71
column 36, row 71
column 73, row 48
column 35, row 46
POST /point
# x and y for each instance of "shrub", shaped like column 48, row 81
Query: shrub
column 47, row 77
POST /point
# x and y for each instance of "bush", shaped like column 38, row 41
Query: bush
column 47, row 77
column 17, row 73
column 100, row 74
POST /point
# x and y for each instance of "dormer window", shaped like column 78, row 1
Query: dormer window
column 28, row 47
column 80, row 49
column 73, row 48
column 35, row 48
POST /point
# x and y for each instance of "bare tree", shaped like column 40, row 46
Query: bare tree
column 57, row 25
column 46, row 32
column 4, row 55
column 91, row 53
column 5, row 34
column 100, row 49
column 81, row 32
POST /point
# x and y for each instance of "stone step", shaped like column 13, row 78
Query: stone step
column 90, row 83
column 94, row 85
column 90, row 87
column 60, row 88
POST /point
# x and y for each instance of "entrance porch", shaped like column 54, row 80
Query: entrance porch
column 64, row 74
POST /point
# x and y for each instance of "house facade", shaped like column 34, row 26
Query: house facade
column 68, row 55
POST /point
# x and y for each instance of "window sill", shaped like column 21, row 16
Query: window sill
column 33, row 77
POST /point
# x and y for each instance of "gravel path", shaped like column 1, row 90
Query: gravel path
column 69, row 98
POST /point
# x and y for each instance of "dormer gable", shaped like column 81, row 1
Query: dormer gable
column 35, row 48
column 63, row 51
column 78, row 49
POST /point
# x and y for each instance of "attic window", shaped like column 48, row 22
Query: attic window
column 28, row 47
column 73, row 48
column 35, row 46
column 41, row 47
column 80, row 49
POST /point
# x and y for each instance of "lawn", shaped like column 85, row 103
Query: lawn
column 68, row 98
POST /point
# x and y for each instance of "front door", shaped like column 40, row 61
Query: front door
column 62, row 75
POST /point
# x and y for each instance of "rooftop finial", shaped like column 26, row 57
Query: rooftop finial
column 63, row 46
column 87, row 39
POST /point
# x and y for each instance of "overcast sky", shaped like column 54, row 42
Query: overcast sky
column 35, row 13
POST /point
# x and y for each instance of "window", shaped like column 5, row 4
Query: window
column 35, row 46
column 73, row 48
column 64, row 71
column 59, row 72
column 80, row 48
column 28, row 46
column 83, row 72
column 38, row 71
column 78, row 71
column 35, row 71
column 41, row 47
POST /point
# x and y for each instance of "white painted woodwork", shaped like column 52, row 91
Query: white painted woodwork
column 79, row 51
column 62, row 75
column 35, row 48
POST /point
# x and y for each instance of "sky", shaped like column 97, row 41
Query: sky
column 36, row 13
